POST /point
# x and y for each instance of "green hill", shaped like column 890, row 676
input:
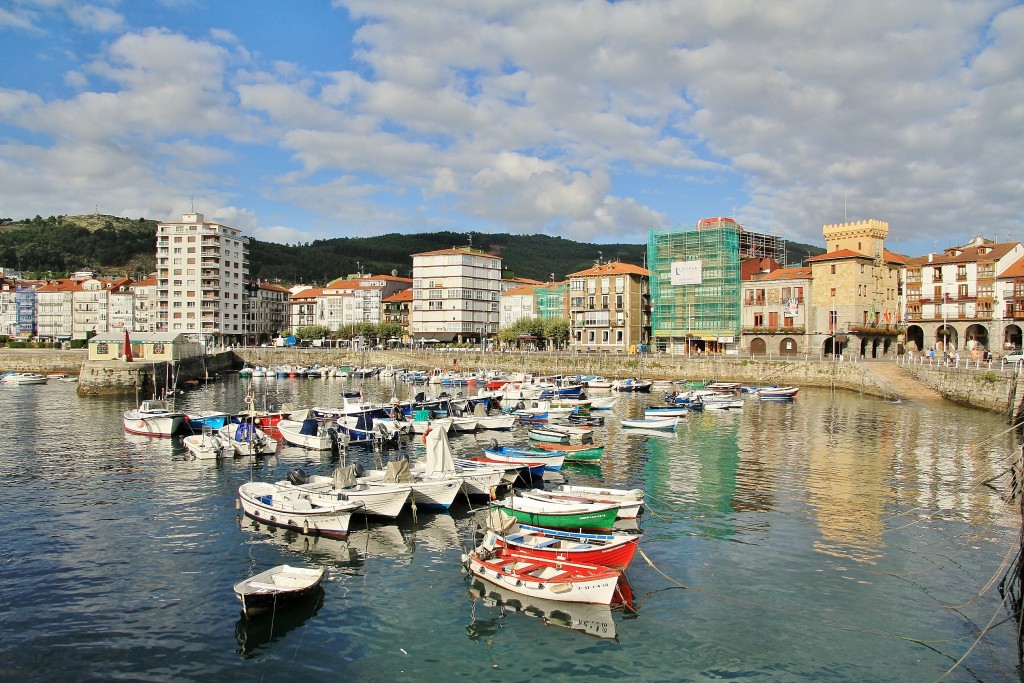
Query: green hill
column 59, row 245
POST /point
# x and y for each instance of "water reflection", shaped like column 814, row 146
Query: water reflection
column 256, row 634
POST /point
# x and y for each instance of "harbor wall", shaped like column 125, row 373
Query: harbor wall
column 1000, row 392
column 119, row 378
column 43, row 361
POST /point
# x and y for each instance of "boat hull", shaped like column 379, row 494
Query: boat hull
column 162, row 427
column 271, row 505
column 541, row 578
column 590, row 519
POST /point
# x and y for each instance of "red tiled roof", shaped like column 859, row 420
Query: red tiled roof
column 786, row 274
column 1015, row 269
column 968, row 254
column 837, row 255
column 404, row 295
column 521, row 290
column 613, row 268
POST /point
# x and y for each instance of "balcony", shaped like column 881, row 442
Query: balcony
column 774, row 330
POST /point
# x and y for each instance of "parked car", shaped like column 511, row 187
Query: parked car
column 1015, row 356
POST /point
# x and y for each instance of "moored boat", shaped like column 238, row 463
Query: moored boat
column 552, row 460
column 23, row 378
column 652, row 422
column 572, row 452
column 284, row 507
column 559, row 515
column 549, row 579
column 614, row 551
column 777, row 393
column 630, row 501
column 152, row 418
column 276, row 588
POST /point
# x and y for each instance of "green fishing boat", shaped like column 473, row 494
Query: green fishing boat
column 554, row 514
column 573, row 453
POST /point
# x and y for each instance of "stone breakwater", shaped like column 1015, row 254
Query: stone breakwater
column 42, row 360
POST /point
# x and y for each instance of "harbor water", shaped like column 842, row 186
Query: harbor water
column 837, row 537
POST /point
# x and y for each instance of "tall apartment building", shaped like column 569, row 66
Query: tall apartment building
column 202, row 268
column 54, row 310
column 455, row 295
column 609, row 308
column 17, row 308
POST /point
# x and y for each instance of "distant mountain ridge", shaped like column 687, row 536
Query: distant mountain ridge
column 59, row 245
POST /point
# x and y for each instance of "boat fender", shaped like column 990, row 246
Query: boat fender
column 238, row 504
column 305, row 526
column 140, row 423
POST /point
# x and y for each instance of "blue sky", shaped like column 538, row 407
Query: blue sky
column 591, row 120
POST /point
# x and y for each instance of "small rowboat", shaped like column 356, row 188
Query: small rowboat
column 550, row 579
column 777, row 393
column 630, row 500
column 285, row 507
column 652, row 423
column 614, row 551
column 552, row 460
column 572, row 452
column 279, row 587
column 556, row 514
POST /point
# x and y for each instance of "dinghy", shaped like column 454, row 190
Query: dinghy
column 277, row 588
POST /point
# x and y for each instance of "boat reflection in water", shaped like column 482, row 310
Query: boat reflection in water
column 259, row 633
column 591, row 619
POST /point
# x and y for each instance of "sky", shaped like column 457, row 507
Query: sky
column 595, row 121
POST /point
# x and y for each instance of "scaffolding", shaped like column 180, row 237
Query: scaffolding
column 552, row 300
column 706, row 315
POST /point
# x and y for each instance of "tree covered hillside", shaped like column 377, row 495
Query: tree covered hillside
column 59, row 245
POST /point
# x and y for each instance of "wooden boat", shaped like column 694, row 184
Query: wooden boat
column 543, row 578
column 277, row 588
column 630, row 500
column 572, row 452
column 667, row 411
column 651, row 423
column 559, row 515
column 152, row 418
column 777, row 393
column 561, row 434
column 525, row 471
column 722, row 402
column 518, row 456
column 614, row 551
column 285, row 507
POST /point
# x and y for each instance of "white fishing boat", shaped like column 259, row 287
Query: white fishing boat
column 248, row 439
column 152, row 418
column 378, row 499
column 277, row 588
column 309, row 432
column 630, row 501
column 208, row 445
column 669, row 422
column 777, row 393
column 543, row 578
column 23, row 378
column 439, row 464
column 292, row 509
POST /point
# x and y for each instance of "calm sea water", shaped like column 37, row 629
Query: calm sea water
column 834, row 538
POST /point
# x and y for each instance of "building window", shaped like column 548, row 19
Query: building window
column 101, row 348
column 833, row 269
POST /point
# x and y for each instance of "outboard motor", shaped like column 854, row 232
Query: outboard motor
column 359, row 470
column 297, row 476
column 332, row 433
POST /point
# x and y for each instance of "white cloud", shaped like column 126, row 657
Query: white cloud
column 95, row 18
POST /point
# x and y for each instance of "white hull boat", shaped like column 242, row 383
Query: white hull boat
column 542, row 578
column 208, row 446
column 283, row 507
column 310, row 433
column 277, row 588
column 152, row 418
column 248, row 439
column 652, row 423
column 379, row 499
column 630, row 501
column 23, row 378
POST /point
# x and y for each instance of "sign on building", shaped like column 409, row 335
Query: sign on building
column 686, row 273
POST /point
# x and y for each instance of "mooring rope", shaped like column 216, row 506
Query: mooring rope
column 667, row 577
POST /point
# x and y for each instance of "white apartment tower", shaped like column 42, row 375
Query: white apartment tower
column 201, row 268
column 455, row 295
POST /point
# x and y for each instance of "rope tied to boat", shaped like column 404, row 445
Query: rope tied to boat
column 651, row 564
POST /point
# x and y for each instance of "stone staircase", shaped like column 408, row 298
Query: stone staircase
column 901, row 384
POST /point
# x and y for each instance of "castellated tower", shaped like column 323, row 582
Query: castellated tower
column 864, row 237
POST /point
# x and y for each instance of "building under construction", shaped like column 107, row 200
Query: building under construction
column 695, row 283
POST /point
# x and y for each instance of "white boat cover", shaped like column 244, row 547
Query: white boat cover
column 439, row 452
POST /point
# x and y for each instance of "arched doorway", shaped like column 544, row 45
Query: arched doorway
column 787, row 347
column 1011, row 337
column 915, row 338
column 946, row 338
column 976, row 336
column 758, row 347
column 834, row 346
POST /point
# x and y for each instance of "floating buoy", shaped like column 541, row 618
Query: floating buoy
column 140, row 423
column 238, row 504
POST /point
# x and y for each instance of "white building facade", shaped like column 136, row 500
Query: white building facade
column 202, row 268
column 455, row 295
